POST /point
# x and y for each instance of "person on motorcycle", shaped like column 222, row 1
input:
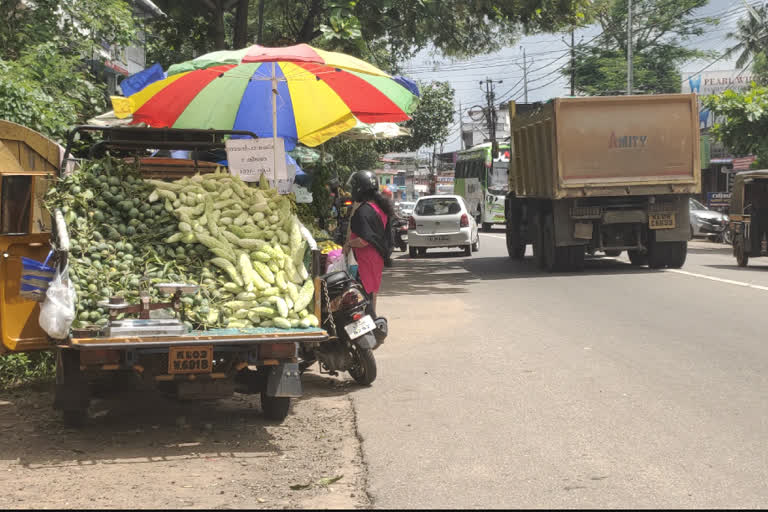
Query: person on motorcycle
column 370, row 230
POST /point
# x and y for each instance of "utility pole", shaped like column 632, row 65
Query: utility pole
column 524, row 67
column 461, row 127
column 490, row 97
column 525, row 77
column 573, row 63
column 629, row 47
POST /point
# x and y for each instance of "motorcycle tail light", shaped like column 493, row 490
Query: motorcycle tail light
column 411, row 223
column 349, row 298
column 357, row 316
column 464, row 223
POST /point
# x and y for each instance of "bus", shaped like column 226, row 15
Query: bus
column 482, row 180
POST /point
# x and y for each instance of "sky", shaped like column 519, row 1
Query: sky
column 545, row 55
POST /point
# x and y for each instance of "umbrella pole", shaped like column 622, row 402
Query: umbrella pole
column 274, row 121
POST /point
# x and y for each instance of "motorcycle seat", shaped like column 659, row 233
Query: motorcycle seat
column 333, row 279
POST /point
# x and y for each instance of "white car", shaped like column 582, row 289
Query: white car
column 405, row 208
column 441, row 221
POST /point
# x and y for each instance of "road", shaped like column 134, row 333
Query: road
column 501, row 386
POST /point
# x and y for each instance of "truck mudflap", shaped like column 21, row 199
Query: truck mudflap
column 284, row 380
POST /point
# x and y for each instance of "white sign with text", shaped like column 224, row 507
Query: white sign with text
column 250, row 158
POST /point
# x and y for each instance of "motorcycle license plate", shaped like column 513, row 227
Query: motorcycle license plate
column 661, row 220
column 362, row 326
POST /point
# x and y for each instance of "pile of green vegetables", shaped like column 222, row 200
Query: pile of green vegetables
column 241, row 244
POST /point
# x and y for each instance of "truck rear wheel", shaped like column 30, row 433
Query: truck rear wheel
column 515, row 246
column 550, row 251
column 538, row 242
column 676, row 254
column 667, row 254
column 637, row 258
column 739, row 250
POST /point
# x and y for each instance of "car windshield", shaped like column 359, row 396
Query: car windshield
column 697, row 205
column 438, row 206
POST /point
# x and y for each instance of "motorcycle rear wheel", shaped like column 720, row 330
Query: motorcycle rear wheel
column 364, row 369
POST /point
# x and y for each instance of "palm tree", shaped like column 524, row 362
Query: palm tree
column 752, row 34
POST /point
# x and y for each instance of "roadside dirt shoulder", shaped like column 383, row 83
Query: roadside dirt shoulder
column 148, row 452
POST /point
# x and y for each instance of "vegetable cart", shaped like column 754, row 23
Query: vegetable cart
column 188, row 280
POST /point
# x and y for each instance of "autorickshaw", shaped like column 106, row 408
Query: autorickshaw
column 749, row 215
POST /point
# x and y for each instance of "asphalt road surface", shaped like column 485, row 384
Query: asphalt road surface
column 502, row 386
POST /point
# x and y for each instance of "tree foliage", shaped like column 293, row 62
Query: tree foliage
column 431, row 122
column 744, row 125
column 752, row 36
column 45, row 80
column 453, row 27
column 660, row 28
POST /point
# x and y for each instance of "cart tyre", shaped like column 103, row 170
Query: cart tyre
column 75, row 417
column 275, row 408
column 364, row 371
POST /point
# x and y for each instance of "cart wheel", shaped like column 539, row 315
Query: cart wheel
column 75, row 418
column 275, row 408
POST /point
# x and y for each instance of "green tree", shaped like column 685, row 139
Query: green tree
column 403, row 27
column 431, row 121
column 660, row 29
column 752, row 36
column 45, row 81
column 744, row 125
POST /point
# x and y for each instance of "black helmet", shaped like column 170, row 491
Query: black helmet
column 361, row 183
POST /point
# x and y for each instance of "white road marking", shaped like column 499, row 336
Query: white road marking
column 719, row 279
column 685, row 273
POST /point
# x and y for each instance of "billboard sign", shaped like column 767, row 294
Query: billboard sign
column 715, row 82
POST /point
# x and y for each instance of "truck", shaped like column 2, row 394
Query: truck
column 608, row 174
column 147, row 353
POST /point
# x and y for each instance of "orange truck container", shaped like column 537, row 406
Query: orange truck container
column 604, row 174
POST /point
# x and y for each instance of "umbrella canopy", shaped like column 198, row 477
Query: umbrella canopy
column 300, row 93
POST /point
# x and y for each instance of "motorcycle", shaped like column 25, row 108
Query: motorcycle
column 347, row 315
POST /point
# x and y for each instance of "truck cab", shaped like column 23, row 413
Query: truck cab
column 28, row 162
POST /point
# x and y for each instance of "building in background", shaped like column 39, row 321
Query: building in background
column 717, row 164
column 112, row 63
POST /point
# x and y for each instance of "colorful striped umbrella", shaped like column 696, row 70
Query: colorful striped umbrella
column 300, row 93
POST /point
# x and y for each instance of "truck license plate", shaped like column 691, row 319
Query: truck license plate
column 362, row 326
column 661, row 220
column 190, row 359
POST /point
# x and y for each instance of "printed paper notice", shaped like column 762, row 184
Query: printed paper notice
column 250, row 158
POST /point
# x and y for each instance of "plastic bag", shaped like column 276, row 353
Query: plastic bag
column 57, row 312
column 336, row 261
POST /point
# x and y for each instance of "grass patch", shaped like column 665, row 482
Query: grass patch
column 27, row 368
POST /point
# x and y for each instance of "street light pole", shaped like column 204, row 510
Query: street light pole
column 629, row 47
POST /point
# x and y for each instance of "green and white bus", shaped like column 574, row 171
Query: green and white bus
column 483, row 182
